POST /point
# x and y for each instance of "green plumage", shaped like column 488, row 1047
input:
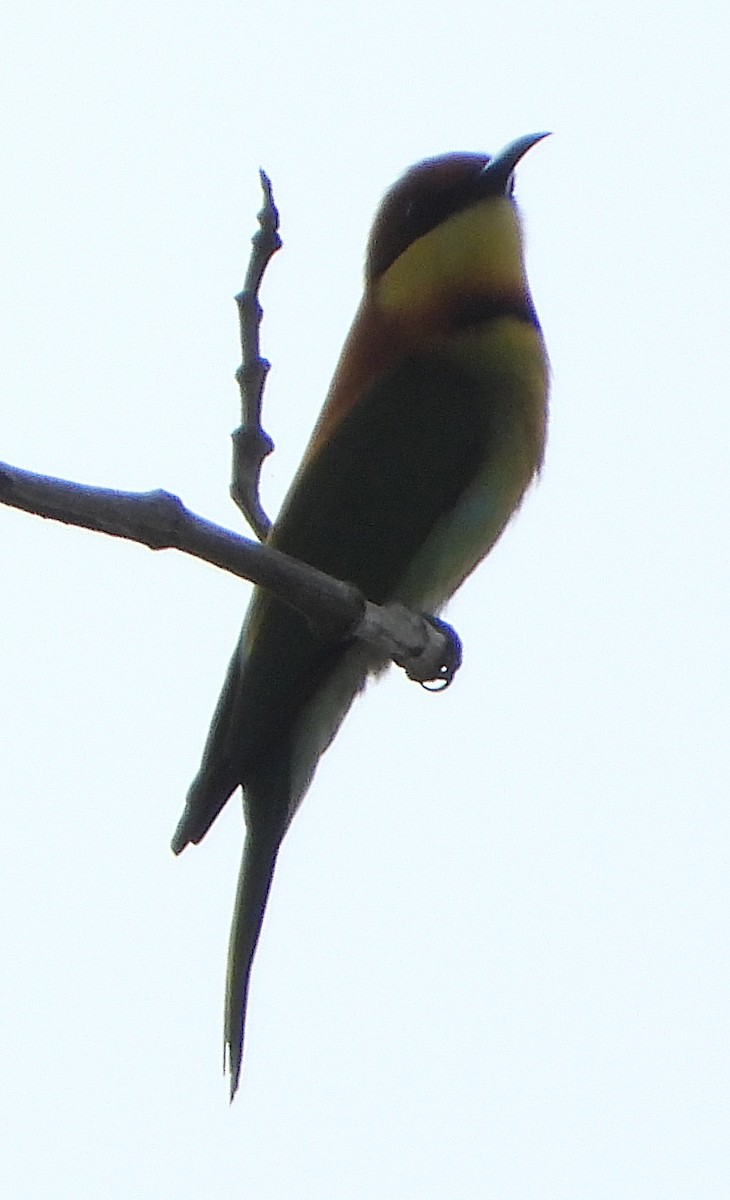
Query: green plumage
column 397, row 462
column 415, row 471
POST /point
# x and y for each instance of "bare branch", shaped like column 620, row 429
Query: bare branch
column 251, row 443
column 427, row 649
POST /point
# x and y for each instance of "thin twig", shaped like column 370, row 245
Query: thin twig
column 251, row 443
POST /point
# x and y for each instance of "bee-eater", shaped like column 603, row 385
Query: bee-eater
column 432, row 430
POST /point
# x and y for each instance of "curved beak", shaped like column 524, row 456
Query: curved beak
column 498, row 171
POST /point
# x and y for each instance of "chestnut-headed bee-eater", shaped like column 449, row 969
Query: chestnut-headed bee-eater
column 432, row 430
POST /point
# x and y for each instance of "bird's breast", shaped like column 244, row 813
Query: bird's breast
column 505, row 358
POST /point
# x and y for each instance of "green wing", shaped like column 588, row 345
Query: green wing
column 361, row 511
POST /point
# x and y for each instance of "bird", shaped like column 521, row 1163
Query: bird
column 432, row 430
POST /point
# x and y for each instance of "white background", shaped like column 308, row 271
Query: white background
column 495, row 961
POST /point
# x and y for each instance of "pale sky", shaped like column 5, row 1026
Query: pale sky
column 495, row 961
